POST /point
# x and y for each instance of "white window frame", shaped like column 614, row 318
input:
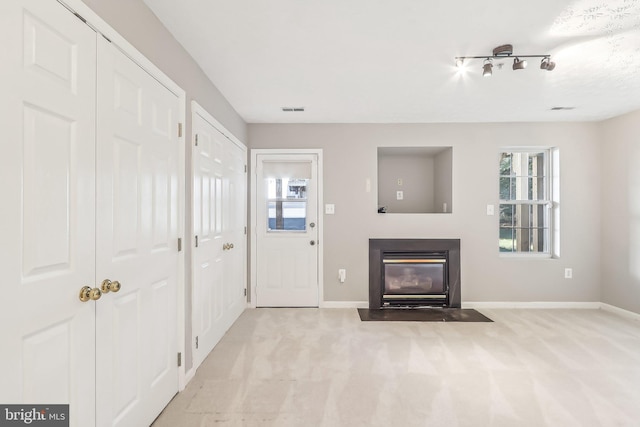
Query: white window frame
column 551, row 213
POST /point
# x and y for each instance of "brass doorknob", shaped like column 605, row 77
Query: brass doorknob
column 230, row 245
column 87, row 293
column 225, row 246
column 109, row 286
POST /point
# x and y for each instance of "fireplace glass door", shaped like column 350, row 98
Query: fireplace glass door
column 415, row 278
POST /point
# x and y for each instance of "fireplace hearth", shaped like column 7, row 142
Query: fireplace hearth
column 414, row 273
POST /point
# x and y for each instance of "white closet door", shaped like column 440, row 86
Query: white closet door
column 219, row 200
column 47, row 116
column 234, row 229
column 137, row 234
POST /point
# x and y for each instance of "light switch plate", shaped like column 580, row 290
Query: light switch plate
column 399, row 195
column 490, row 210
column 329, row 209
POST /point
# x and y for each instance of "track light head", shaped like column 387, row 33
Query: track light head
column 487, row 68
column 519, row 64
column 547, row 64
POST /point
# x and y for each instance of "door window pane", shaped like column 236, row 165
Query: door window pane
column 286, row 204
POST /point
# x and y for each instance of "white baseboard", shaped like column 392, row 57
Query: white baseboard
column 488, row 304
column 188, row 376
column 509, row 305
column 344, row 304
column 531, row 304
column 620, row 311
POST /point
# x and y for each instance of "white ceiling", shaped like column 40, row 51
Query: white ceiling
column 381, row 61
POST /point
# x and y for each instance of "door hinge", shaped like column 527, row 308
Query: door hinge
column 179, row 359
column 179, row 130
column 196, row 139
column 196, row 241
column 196, row 342
column 245, row 230
column 245, row 168
column 179, row 244
column 80, row 17
column 245, row 292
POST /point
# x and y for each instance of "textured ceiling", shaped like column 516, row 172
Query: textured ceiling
column 375, row 61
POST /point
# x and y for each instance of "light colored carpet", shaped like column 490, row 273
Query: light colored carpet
column 324, row 367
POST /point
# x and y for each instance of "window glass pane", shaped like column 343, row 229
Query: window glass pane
column 286, row 204
column 505, row 188
column 505, row 164
column 288, row 216
column 507, row 243
column 506, row 215
column 535, row 164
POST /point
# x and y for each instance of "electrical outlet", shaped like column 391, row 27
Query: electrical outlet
column 399, row 181
column 568, row 273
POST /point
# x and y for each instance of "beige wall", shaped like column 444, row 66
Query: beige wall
column 621, row 211
column 417, row 175
column 444, row 184
column 350, row 153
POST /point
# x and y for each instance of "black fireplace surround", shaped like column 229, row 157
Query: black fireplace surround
column 422, row 272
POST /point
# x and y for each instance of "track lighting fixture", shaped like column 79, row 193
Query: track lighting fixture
column 506, row 51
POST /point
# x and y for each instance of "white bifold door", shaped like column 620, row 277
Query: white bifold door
column 90, row 187
column 219, row 253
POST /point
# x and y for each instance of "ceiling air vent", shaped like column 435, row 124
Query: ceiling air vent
column 292, row 109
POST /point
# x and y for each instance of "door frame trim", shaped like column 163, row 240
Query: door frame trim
column 94, row 21
column 253, row 220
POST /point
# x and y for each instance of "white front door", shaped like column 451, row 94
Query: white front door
column 137, row 235
column 287, row 230
column 219, row 209
column 47, row 219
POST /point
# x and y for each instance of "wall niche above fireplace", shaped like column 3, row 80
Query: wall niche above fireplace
column 415, row 179
column 414, row 273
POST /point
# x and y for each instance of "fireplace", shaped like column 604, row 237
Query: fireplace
column 414, row 273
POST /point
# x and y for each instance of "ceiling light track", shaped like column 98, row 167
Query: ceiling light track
column 506, row 51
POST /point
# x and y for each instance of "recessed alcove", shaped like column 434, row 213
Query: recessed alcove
column 415, row 179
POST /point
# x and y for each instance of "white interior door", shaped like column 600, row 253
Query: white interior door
column 219, row 257
column 137, row 234
column 287, row 230
column 47, row 81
